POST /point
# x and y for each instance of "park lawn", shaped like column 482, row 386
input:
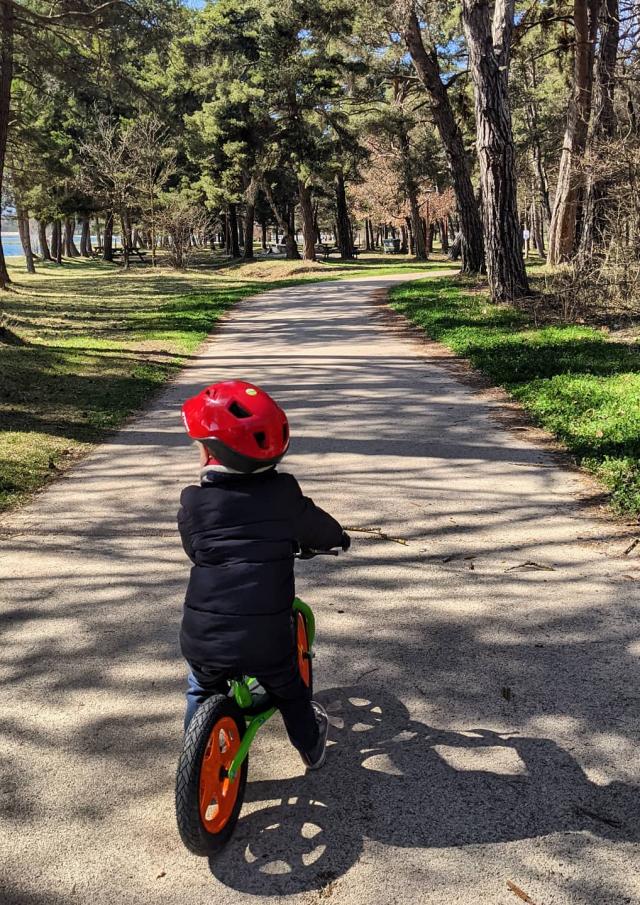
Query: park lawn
column 93, row 344
column 575, row 381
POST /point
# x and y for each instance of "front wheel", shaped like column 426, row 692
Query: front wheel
column 304, row 650
column 208, row 803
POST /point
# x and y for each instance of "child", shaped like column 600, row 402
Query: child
column 240, row 528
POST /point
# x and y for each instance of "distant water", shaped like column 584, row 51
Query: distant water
column 11, row 243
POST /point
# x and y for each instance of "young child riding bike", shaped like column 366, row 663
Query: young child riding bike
column 241, row 527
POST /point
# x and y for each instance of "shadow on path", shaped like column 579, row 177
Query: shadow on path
column 399, row 782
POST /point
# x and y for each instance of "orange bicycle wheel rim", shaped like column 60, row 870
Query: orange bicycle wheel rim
column 218, row 793
column 302, row 640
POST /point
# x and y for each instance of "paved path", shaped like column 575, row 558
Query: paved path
column 485, row 712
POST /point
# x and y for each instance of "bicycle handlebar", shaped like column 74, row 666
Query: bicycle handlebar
column 309, row 553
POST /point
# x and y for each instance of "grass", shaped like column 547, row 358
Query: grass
column 93, row 344
column 575, row 381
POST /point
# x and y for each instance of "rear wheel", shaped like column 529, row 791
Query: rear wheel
column 208, row 803
column 304, row 650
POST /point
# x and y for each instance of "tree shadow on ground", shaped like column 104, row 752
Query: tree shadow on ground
column 400, row 782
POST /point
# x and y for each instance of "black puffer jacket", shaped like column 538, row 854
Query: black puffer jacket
column 239, row 531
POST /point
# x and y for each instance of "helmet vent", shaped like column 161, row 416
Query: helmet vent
column 285, row 432
column 236, row 409
column 261, row 439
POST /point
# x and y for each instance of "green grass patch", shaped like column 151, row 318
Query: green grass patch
column 575, row 381
column 94, row 344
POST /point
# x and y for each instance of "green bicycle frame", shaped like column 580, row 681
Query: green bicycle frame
column 244, row 698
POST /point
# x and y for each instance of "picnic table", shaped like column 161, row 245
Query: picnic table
column 325, row 249
column 118, row 252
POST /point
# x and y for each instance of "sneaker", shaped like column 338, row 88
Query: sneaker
column 315, row 759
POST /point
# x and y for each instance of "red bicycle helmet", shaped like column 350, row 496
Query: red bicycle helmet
column 240, row 425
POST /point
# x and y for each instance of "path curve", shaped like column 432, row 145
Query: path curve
column 480, row 660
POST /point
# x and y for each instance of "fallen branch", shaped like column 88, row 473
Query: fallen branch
column 520, row 893
column 530, row 566
column 378, row 532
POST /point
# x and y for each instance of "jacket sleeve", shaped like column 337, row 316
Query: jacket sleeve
column 184, row 528
column 312, row 526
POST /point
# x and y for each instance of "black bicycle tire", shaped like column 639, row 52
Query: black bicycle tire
column 193, row 833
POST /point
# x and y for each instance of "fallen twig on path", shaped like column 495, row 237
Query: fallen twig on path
column 530, row 566
column 367, row 673
column 378, row 532
column 634, row 543
column 520, row 893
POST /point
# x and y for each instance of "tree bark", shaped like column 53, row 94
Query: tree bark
column 7, row 25
column 126, row 240
column 107, row 247
column 488, row 43
column 411, row 189
column 69, row 244
column 603, row 128
column 444, row 235
column 232, row 226
column 286, row 223
column 241, row 231
column 56, row 241
column 248, row 230
column 533, row 127
column 428, row 70
column 565, row 207
column 263, row 231
column 22, row 218
column 537, row 228
column 342, row 219
column 308, row 226
column 85, row 238
column 45, row 253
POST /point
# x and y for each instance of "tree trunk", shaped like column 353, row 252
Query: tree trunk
column 563, row 219
column 444, row 235
column 248, row 230
column 291, row 236
column 537, row 229
column 45, row 253
column 22, row 218
column 263, row 229
column 107, row 248
column 241, row 231
column 428, row 70
column 126, row 245
column 603, row 128
column 69, row 244
column 286, row 224
column 343, row 236
column 232, row 225
column 404, row 239
column 533, row 127
column 85, row 238
column 7, row 23
column 411, row 189
column 56, row 241
column 488, row 45
column 308, row 226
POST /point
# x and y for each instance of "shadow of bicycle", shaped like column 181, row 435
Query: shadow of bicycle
column 397, row 781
